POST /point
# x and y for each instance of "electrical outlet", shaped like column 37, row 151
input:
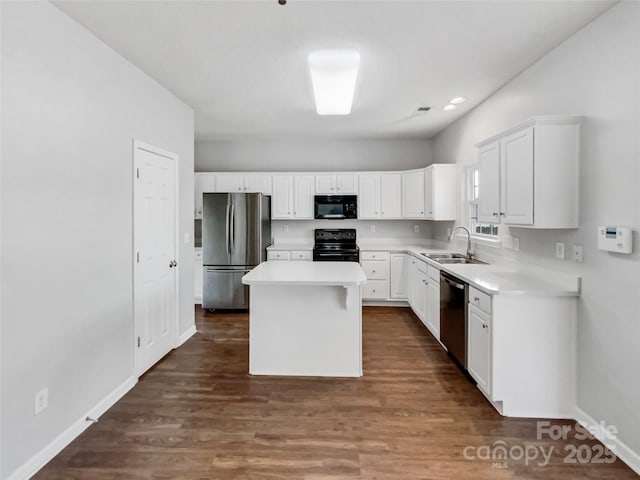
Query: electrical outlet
column 416, row 228
column 516, row 244
column 577, row 253
column 449, row 232
column 187, row 238
column 560, row 250
column 372, row 228
column 285, row 227
column 41, row 400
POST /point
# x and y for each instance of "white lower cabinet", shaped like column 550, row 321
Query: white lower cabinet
column 376, row 267
column 422, row 290
column 521, row 352
column 433, row 301
column 278, row 255
column 293, row 255
column 412, row 281
column 479, row 348
column 398, row 276
column 198, row 277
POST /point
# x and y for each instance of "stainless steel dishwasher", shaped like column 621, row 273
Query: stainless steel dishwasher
column 453, row 316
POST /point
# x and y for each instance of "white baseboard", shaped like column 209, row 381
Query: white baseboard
column 621, row 450
column 186, row 335
column 41, row 458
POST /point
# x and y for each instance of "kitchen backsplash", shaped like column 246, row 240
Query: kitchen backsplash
column 302, row 230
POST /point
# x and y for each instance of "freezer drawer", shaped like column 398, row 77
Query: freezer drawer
column 223, row 289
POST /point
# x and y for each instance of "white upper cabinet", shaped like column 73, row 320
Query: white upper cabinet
column 516, row 178
column 380, row 195
column 440, row 192
column 340, row 184
column 282, row 198
column 489, row 183
column 369, row 196
column 235, row 182
column 303, row 196
column 292, row 197
column 204, row 183
column 390, row 195
column 232, row 182
column 413, row 194
column 257, row 184
column 528, row 175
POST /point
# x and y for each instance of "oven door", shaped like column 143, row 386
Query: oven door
column 335, row 257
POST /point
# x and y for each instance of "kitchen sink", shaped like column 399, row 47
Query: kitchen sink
column 452, row 258
column 459, row 260
column 440, row 256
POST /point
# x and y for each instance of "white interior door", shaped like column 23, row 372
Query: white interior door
column 154, row 265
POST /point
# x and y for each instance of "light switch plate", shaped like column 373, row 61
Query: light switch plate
column 416, row 228
column 560, row 250
column 187, row 238
column 373, row 228
column 516, row 244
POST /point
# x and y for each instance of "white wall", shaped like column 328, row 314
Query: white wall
column 71, row 108
column 312, row 155
column 595, row 73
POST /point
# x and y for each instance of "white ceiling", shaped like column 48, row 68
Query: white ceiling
column 242, row 64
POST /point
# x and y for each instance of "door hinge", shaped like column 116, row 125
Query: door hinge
column 138, row 342
column 137, row 173
column 138, row 257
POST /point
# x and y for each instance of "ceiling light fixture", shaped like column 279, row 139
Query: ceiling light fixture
column 333, row 76
column 458, row 100
column 449, row 107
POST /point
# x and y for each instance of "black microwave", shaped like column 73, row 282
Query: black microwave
column 336, row 207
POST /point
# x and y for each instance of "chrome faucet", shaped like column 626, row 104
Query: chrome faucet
column 469, row 251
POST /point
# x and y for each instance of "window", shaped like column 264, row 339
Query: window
column 489, row 230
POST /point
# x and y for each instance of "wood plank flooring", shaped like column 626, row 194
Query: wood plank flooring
column 199, row 415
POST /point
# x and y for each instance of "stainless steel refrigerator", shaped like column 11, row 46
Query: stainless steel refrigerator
column 236, row 231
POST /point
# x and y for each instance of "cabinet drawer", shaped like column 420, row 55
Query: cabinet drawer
column 422, row 266
column 375, row 270
column 279, row 255
column 480, row 299
column 374, row 255
column 301, row 255
column 376, row 289
column 433, row 273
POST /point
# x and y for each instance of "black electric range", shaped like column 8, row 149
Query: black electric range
column 335, row 245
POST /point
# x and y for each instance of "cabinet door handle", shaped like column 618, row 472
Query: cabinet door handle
column 484, row 325
column 502, row 214
column 421, row 213
column 476, row 299
column 495, row 214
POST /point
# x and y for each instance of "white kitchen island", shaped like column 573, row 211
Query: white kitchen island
column 305, row 318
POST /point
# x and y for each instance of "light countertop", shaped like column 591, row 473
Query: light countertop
column 498, row 280
column 491, row 279
column 344, row 274
column 291, row 246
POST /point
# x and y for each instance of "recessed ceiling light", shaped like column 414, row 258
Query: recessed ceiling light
column 458, row 100
column 333, row 76
column 449, row 107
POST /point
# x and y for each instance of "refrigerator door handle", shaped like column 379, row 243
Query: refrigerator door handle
column 226, row 230
column 232, row 223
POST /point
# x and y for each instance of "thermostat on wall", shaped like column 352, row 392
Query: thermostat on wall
column 615, row 239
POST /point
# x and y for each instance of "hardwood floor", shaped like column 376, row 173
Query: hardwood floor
column 199, row 415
